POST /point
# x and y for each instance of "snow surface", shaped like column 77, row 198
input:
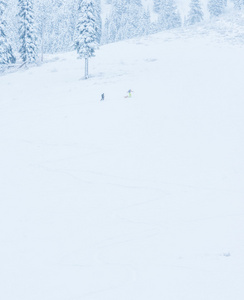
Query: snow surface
column 137, row 198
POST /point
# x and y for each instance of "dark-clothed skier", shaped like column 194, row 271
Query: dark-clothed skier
column 102, row 97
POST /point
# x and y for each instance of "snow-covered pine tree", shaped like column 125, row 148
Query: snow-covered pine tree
column 27, row 33
column 86, row 36
column 109, row 31
column 157, row 5
column 216, row 7
column 132, row 25
column 56, row 23
column 97, row 9
column 113, row 22
column 195, row 14
column 136, row 2
column 142, row 18
column 169, row 16
column 6, row 53
column 128, row 19
column 41, row 21
column 238, row 4
column 118, row 19
column 145, row 22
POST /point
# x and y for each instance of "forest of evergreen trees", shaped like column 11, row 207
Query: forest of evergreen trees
column 30, row 28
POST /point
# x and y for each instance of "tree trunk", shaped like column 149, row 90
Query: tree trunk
column 86, row 68
column 42, row 46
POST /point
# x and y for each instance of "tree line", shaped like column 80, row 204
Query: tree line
column 30, row 28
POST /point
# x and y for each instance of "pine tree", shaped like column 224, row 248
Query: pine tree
column 136, row 2
column 97, row 9
column 27, row 33
column 216, row 7
column 169, row 16
column 145, row 22
column 109, row 32
column 42, row 20
column 157, row 5
column 238, row 4
column 127, row 20
column 112, row 32
column 133, row 18
column 56, row 23
column 6, row 53
column 87, row 28
column 2, row 7
column 195, row 14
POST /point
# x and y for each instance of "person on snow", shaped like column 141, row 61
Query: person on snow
column 102, row 97
column 129, row 93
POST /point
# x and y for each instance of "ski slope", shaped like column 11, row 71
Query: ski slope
column 138, row 198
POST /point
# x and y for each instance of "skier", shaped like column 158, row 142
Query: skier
column 129, row 93
column 102, row 97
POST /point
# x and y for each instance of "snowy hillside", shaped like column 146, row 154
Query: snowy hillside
column 127, row 198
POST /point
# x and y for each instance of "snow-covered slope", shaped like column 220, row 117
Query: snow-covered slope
column 130, row 198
